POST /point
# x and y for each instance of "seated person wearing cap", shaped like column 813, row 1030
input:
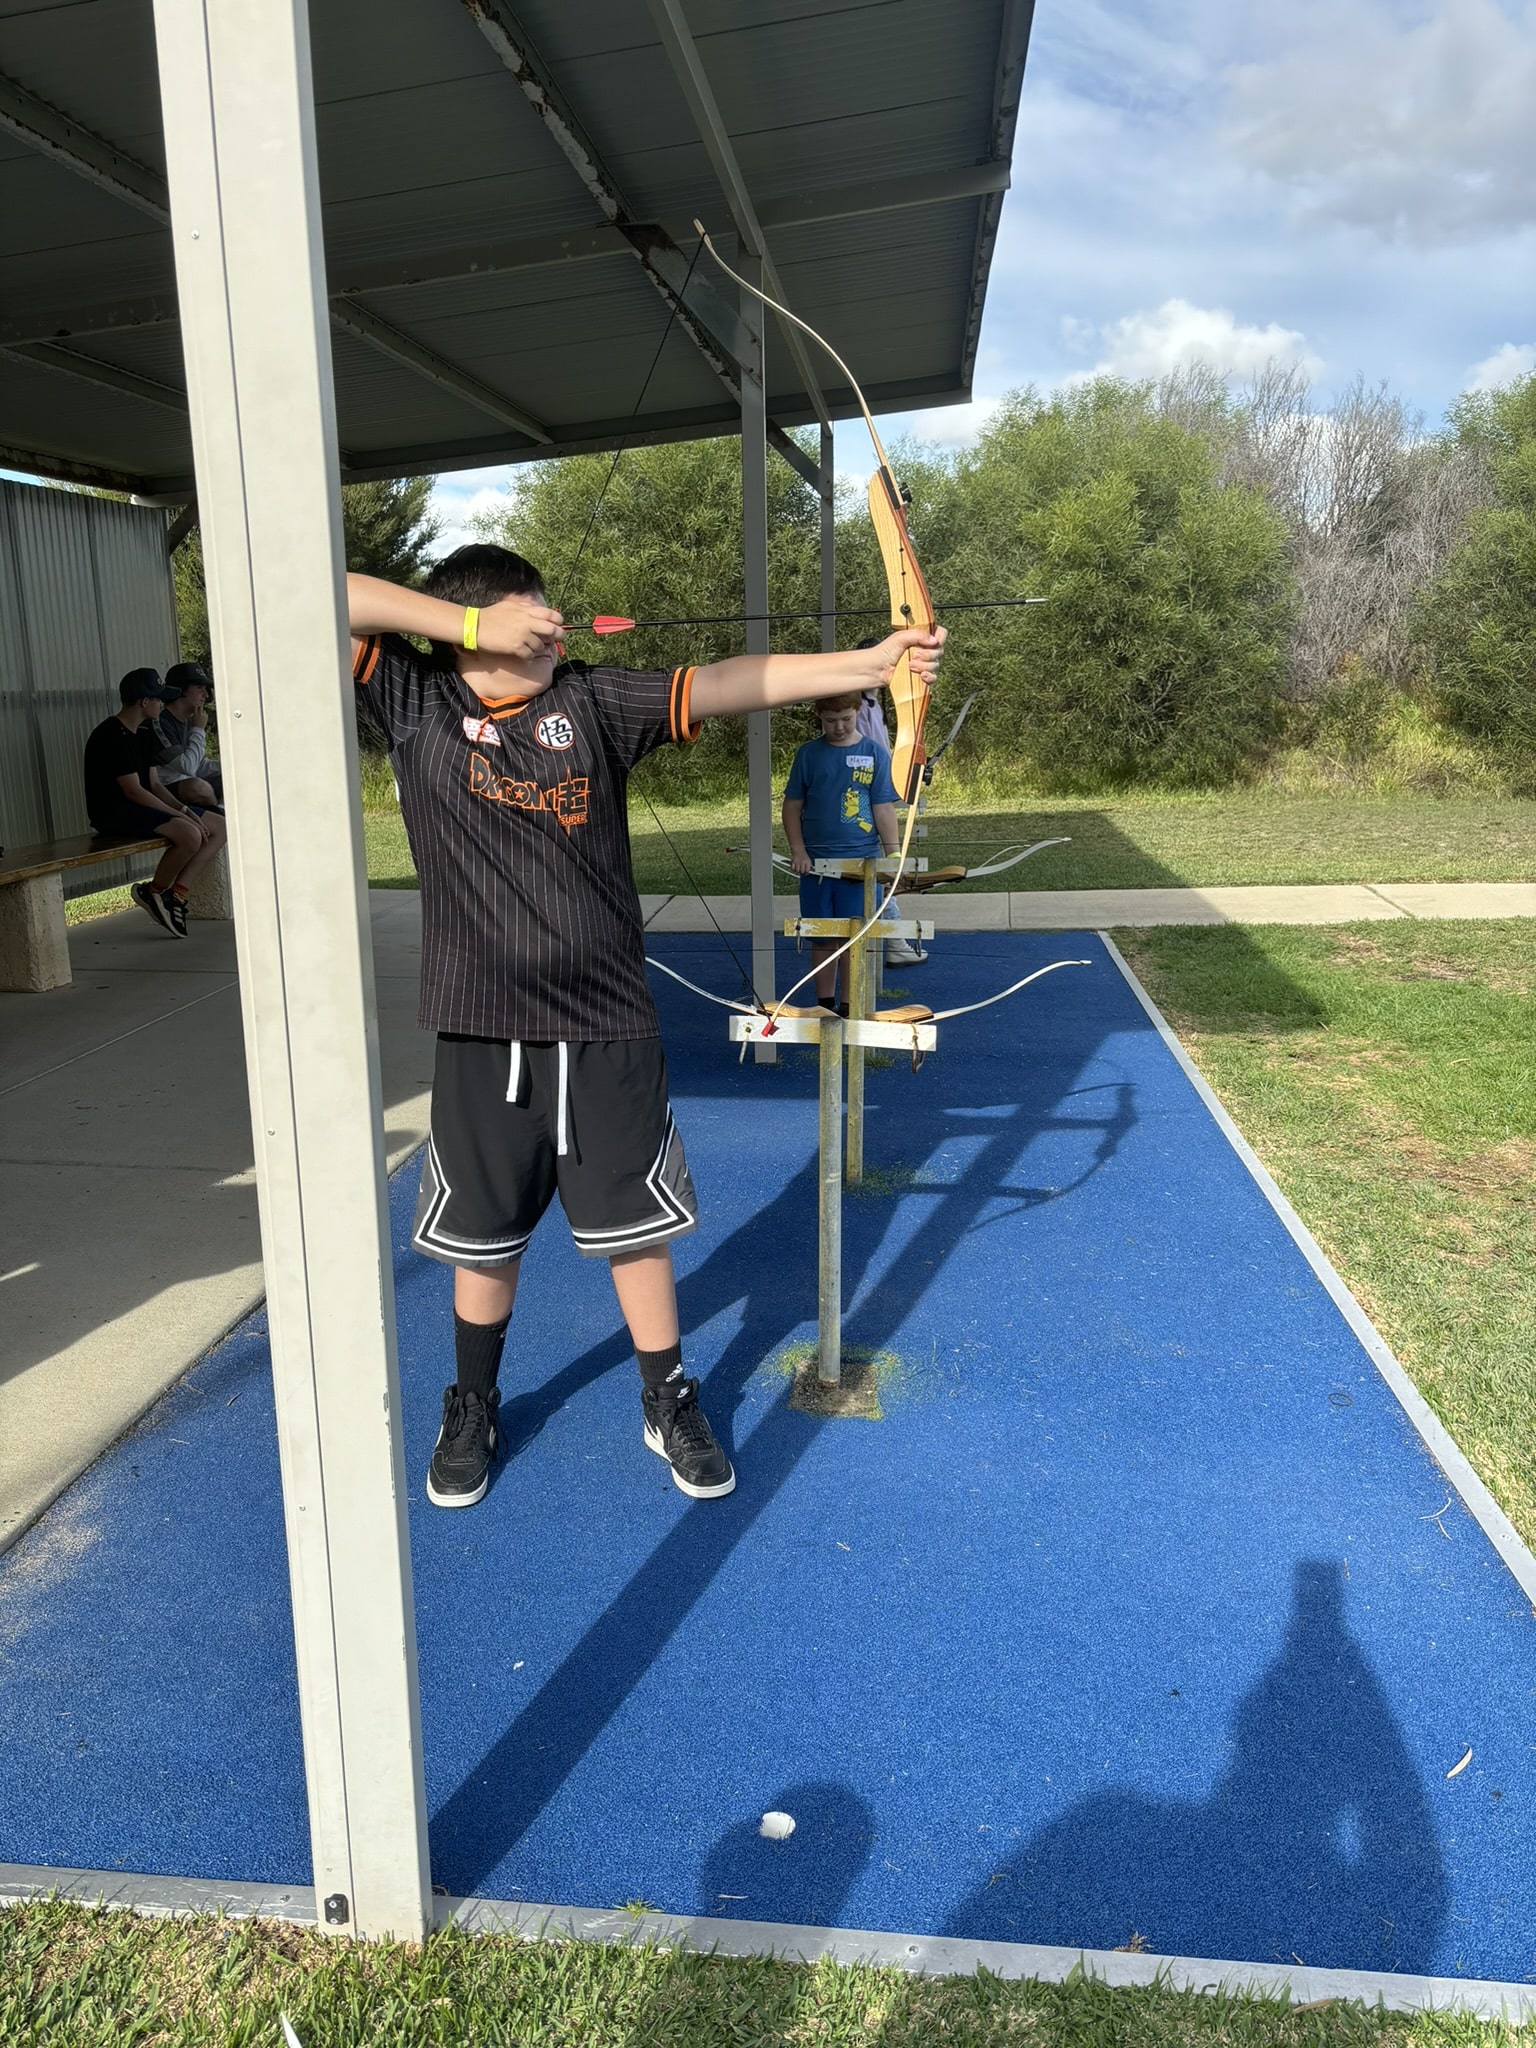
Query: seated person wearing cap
column 126, row 799
column 187, row 769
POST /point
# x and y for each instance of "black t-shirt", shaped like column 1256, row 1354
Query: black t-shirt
column 516, row 814
column 112, row 750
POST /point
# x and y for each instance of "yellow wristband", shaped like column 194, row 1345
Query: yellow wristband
column 471, row 635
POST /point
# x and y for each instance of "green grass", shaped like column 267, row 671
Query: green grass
column 1384, row 1075
column 73, row 1979
column 1139, row 842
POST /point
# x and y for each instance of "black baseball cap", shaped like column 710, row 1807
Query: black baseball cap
column 185, row 676
column 140, row 683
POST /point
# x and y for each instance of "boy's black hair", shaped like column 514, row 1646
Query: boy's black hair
column 479, row 574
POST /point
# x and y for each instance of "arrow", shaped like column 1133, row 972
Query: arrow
column 605, row 623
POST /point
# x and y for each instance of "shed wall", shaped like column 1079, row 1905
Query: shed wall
column 86, row 594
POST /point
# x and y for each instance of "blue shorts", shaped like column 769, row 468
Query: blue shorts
column 830, row 896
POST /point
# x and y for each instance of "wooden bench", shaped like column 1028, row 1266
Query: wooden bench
column 34, row 936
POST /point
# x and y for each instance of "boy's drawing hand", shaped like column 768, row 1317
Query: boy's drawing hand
column 519, row 629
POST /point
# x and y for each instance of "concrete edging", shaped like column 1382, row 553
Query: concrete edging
column 920, row 1955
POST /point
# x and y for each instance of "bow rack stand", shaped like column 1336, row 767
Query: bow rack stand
column 908, row 1029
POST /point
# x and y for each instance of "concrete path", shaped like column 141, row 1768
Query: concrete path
column 1024, row 910
column 129, row 1240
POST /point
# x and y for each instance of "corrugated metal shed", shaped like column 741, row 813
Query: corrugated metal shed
column 85, row 595
column 508, row 203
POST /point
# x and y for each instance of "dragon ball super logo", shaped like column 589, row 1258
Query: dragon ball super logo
column 566, row 801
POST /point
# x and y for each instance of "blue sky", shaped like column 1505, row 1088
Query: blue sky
column 1347, row 183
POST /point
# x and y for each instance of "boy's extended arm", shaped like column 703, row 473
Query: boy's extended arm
column 763, row 682
column 516, row 626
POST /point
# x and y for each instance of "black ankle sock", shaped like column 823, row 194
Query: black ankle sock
column 477, row 1354
column 657, row 1367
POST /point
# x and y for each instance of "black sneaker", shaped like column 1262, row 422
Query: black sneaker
column 675, row 1429
column 149, row 900
column 460, row 1469
column 178, row 912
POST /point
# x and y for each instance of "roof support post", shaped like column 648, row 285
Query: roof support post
column 240, row 137
column 827, row 491
column 754, row 544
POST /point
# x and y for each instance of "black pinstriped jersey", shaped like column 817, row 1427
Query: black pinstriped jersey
column 516, row 815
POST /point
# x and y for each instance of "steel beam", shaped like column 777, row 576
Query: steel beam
column 181, row 526
column 44, row 128
column 694, row 302
column 805, row 466
column 240, row 140
column 45, row 462
column 33, row 122
column 400, row 348
column 47, row 355
column 437, row 265
column 688, row 68
column 1013, row 47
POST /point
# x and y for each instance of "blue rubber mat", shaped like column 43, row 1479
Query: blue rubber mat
column 1141, row 1612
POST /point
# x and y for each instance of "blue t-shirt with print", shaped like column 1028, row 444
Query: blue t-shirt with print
column 838, row 787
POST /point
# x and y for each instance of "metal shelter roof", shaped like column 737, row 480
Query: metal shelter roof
column 508, row 205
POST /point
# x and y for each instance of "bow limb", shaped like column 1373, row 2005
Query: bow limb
column 1009, row 857
column 910, row 607
column 741, row 1009
column 965, row 1009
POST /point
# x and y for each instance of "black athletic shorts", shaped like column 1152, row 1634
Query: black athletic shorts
column 515, row 1124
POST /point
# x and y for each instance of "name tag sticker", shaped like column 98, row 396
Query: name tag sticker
column 861, row 760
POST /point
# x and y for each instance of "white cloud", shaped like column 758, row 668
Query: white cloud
column 460, row 495
column 1507, row 365
column 954, row 426
column 1415, row 123
column 1177, row 334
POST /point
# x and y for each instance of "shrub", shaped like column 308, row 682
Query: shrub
column 1477, row 620
column 1160, row 654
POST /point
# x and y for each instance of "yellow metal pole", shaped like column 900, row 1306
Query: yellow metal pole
column 829, row 1293
column 858, row 1008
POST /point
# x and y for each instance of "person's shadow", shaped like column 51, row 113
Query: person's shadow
column 803, row 1880
column 1317, row 1845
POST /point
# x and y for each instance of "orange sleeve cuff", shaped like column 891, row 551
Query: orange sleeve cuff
column 683, row 730
column 366, row 660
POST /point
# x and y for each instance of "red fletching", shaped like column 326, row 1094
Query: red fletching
column 607, row 625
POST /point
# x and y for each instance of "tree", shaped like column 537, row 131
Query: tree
column 387, row 530
column 1160, row 652
column 1477, row 620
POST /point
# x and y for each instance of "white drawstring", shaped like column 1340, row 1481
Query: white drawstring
column 515, row 1071
column 563, row 1086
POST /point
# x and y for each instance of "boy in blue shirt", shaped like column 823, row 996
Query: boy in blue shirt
column 839, row 804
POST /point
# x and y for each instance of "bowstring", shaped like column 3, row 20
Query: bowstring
column 570, row 576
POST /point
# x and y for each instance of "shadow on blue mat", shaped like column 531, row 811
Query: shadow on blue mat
column 1319, row 1829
